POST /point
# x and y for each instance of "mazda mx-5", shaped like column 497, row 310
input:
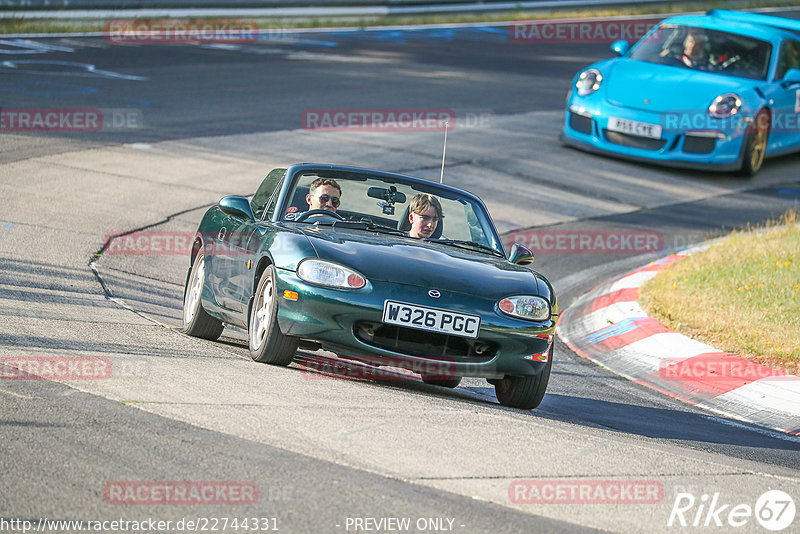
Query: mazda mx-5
column 350, row 276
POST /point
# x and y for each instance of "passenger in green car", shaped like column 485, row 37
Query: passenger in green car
column 424, row 213
column 324, row 194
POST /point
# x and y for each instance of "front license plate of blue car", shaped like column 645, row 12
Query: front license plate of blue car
column 431, row 319
column 642, row 129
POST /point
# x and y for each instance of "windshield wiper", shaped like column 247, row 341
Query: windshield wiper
column 369, row 226
column 461, row 243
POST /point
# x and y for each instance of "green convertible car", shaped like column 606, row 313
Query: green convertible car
column 351, row 279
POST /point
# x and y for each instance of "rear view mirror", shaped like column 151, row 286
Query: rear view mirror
column 391, row 195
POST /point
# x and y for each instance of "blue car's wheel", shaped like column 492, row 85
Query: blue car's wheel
column 755, row 144
column 267, row 343
column 524, row 392
column 196, row 322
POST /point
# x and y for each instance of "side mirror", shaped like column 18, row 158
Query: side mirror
column 792, row 76
column 237, row 207
column 520, row 255
column 620, row 47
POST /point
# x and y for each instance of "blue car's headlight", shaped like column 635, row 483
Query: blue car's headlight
column 329, row 274
column 588, row 82
column 725, row 106
column 526, row 307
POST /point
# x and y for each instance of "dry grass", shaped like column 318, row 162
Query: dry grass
column 742, row 295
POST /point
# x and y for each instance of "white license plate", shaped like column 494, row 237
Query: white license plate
column 642, row 129
column 431, row 319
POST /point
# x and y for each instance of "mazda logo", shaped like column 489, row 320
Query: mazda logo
column 435, row 294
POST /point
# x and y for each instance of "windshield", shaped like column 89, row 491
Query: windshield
column 707, row 50
column 383, row 203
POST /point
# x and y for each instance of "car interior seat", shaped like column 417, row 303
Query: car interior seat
column 299, row 198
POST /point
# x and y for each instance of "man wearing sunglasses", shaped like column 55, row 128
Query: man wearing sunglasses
column 324, row 194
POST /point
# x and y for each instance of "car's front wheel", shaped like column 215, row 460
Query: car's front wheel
column 755, row 144
column 196, row 321
column 267, row 343
column 524, row 392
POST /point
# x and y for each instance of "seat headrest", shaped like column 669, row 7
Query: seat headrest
column 299, row 198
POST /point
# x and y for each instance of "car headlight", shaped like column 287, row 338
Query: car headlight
column 725, row 106
column 329, row 274
column 526, row 307
column 588, row 82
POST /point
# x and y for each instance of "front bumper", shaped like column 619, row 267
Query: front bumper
column 712, row 145
column 336, row 319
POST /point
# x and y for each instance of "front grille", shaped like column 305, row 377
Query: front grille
column 695, row 144
column 634, row 141
column 430, row 345
column 579, row 123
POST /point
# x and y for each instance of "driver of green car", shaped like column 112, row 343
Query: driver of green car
column 324, row 194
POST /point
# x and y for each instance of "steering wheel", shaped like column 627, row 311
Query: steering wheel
column 673, row 60
column 311, row 213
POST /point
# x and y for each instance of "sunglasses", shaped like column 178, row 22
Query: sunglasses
column 324, row 199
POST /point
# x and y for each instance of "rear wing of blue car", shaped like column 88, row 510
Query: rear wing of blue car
column 756, row 18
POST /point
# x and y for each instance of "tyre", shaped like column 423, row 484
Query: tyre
column 755, row 144
column 449, row 382
column 267, row 343
column 196, row 321
column 524, row 392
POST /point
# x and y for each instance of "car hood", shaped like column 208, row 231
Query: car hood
column 382, row 257
column 657, row 88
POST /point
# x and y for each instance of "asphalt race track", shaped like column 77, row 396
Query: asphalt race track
column 185, row 124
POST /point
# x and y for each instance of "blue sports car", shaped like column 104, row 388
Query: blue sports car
column 719, row 91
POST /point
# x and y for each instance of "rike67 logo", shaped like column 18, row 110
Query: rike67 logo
column 774, row 510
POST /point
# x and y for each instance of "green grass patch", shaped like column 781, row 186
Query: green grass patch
column 742, row 295
column 44, row 25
